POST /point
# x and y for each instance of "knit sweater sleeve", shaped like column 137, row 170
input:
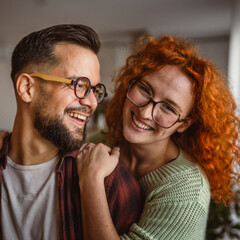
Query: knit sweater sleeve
column 176, row 205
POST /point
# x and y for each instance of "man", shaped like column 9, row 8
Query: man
column 56, row 75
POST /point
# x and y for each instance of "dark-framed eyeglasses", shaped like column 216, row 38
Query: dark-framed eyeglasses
column 82, row 86
column 162, row 112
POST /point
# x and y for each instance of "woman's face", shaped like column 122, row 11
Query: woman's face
column 169, row 84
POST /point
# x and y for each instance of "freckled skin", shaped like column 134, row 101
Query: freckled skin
column 168, row 83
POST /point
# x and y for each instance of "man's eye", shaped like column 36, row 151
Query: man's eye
column 82, row 86
column 79, row 85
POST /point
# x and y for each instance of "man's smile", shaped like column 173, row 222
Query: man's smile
column 77, row 115
column 78, row 118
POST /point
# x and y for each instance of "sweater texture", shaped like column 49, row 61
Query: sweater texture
column 177, row 203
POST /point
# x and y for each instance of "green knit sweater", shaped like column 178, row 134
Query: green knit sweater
column 177, row 202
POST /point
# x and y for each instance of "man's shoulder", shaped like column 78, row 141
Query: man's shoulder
column 121, row 175
column 125, row 198
column 121, row 182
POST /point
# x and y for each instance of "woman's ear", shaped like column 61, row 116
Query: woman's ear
column 25, row 87
column 185, row 125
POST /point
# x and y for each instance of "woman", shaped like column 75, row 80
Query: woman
column 175, row 123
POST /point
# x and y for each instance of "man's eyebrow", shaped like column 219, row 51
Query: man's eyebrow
column 73, row 77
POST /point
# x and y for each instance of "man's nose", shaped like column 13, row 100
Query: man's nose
column 89, row 101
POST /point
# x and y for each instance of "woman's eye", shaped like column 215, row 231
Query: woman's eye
column 168, row 108
column 144, row 90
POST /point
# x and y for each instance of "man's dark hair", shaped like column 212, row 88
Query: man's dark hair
column 37, row 47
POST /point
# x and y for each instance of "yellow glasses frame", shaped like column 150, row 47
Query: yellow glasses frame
column 51, row 78
column 99, row 97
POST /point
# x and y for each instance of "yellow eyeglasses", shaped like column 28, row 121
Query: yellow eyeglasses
column 82, row 86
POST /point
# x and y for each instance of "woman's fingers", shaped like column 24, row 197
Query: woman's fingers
column 116, row 152
column 86, row 145
column 98, row 160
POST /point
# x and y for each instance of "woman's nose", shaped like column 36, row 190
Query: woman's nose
column 146, row 111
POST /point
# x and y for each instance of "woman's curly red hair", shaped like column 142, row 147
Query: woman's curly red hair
column 213, row 139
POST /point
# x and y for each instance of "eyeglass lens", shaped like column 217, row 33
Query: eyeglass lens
column 99, row 92
column 162, row 112
column 83, row 88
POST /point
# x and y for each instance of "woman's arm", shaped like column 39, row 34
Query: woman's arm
column 175, row 208
column 94, row 163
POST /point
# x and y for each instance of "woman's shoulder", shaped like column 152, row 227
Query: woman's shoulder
column 179, row 180
column 182, row 167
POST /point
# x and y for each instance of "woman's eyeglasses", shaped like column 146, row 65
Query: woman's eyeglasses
column 162, row 112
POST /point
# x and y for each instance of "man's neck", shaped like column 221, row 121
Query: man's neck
column 27, row 147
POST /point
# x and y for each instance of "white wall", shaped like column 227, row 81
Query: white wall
column 7, row 96
column 216, row 49
column 112, row 57
column 234, row 53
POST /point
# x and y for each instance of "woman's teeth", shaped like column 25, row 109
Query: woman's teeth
column 75, row 115
column 140, row 125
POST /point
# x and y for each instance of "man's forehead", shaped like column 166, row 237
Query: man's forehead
column 66, row 46
column 75, row 61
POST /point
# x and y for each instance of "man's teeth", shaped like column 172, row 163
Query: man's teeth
column 140, row 125
column 75, row 115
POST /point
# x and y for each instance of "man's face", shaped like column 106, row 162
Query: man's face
column 60, row 116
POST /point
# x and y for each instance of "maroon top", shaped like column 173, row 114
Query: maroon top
column 122, row 190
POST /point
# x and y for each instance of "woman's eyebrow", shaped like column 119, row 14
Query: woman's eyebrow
column 168, row 100
column 147, row 84
column 173, row 103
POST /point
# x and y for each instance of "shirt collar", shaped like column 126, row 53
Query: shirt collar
column 62, row 158
column 4, row 154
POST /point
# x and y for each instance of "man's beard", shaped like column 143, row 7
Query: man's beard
column 54, row 130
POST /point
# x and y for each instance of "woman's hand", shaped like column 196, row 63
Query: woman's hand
column 96, row 161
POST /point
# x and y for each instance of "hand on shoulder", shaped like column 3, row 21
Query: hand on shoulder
column 96, row 161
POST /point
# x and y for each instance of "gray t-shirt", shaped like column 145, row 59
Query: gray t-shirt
column 29, row 201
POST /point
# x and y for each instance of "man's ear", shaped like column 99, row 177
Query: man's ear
column 185, row 125
column 25, row 87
